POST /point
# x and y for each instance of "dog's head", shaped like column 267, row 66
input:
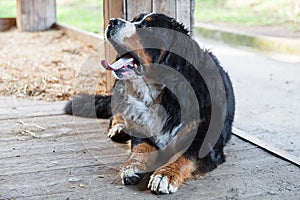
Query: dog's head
column 140, row 42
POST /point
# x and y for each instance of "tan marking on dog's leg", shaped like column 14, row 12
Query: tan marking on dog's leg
column 169, row 177
column 135, row 167
column 115, row 131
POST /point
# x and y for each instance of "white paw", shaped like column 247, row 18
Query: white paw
column 160, row 184
column 116, row 129
column 130, row 176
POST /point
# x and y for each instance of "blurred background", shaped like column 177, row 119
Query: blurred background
column 278, row 15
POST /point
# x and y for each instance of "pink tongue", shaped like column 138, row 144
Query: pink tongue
column 122, row 62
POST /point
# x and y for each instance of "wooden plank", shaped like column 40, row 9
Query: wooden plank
column 183, row 12
column 53, row 175
column 16, row 111
column 74, row 159
column 167, row 7
column 112, row 9
column 35, row 15
column 137, row 7
column 76, row 33
column 192, row 18
column 271, row 149
column 7, row 23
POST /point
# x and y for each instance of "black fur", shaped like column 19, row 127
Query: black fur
column 85, row 105
column 204, row 60
column 91, row 106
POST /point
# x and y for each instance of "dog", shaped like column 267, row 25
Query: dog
column 171, row 99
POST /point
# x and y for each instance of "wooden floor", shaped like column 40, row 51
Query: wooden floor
column 47, row 155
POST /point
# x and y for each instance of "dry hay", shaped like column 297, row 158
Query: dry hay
column 48, row 65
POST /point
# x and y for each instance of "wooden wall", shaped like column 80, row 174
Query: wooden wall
column 182, row 10
column 35, row 15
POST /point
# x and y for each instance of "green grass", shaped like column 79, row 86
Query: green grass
column 84, row 14
column 249, row 12
column 8, row 8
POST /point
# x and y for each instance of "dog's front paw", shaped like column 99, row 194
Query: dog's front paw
column 162, row 184
column 117, row 134
column 115, row 130
column 132, row 172
column 168, row 178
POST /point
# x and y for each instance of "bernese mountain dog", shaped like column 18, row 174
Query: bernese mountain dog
column 171, row 99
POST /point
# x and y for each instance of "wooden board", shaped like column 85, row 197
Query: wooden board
column 183, row 12
column 168, row 7
column 7, row 23
column 35, row 15
column 11, row 108
column 73, row 159
column 112, row 9
column 137, row 7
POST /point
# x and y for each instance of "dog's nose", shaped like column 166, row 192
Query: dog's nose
column 115, row 22
column 114, row 27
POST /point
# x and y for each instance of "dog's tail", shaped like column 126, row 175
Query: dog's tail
column 91, row 106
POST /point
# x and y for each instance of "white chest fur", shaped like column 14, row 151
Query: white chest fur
column 143, row 115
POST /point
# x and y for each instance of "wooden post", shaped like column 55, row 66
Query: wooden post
column 112, row 9
column 167, row 7
column 192, row 19
column 137, row 7
column 183, row 12
column 35, row 15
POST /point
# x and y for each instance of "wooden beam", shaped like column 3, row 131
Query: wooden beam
column 183, row 12
column 35, row 15
column 7, row 23
column 168, row 7
column 267, row 147
column 137, row 7
column 112, row 9
column 192, row 19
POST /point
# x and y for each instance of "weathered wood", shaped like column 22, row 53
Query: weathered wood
column 137, row 7
column 7, row 23
column 11, row 108
column 35, row 15
column 168, row 7
column 192, row 19
column 270, row 148
column 112, row 9
column 183, row 12
column 76, row 33
column 73, row 159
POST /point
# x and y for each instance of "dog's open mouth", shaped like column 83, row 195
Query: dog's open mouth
column 123, row 65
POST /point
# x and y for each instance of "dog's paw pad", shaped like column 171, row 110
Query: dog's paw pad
column 160, row 184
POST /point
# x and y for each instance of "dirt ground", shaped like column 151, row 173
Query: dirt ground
column 46, row 65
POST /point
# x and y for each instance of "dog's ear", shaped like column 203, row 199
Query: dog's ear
column 178, row 26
